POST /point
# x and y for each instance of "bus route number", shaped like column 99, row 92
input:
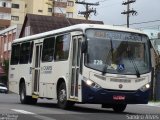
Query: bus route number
column 98, row 62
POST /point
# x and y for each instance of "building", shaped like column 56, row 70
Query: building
column 34, row 24
column 18, row 12
column 5, row 13
column 6, row 38
column 13, row 12
column 44, row 7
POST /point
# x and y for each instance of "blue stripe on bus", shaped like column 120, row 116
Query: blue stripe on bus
column 91, row 95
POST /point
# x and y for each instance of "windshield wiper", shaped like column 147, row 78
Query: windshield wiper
column 104, row 71
column 135, row 66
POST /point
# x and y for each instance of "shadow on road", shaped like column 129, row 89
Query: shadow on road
column 80, row 109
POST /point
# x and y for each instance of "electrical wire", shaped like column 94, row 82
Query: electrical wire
column 142, row 22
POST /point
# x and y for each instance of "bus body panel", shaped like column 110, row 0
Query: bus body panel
column 112, row 81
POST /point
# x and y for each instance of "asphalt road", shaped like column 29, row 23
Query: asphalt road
column 12, row 109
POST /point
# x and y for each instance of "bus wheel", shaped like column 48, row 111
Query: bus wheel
column 24, row 98
column 62, row 97
column 22, row 93
column 119, row 107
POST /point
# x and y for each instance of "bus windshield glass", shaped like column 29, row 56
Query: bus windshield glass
column 117, row 52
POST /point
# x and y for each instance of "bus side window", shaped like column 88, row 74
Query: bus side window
column 15, row 54
column 48, row 49
column 24, row 53
column 31, row 52
column 62, row 47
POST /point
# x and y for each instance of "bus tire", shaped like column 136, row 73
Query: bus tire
column 62, row 97
column 23, row 97
column 119, row 107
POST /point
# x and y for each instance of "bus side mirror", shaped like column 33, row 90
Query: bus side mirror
column 84, row 46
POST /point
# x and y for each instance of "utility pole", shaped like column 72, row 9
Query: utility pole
column 128, row 12
column 88, row 10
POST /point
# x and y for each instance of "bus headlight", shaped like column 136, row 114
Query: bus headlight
column 145, row 87
column 91, row 83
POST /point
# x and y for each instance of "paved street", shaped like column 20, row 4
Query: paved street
column 10, row 107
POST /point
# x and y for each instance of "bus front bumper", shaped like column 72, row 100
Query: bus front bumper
column 104, row 96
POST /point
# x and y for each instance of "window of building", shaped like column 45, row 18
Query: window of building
column 70, row 3
column 15, row 54
column 60, row 10
column 4, row 4
column 40, row 10
column 62, row 47
column 69, row 15
column 49, row 9
column 15, row 6
column 48, row 49
column 15, row 18
column 61, row 0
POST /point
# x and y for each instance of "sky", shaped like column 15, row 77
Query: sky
column 109, row 11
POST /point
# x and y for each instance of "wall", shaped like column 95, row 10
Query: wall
column 20, row 12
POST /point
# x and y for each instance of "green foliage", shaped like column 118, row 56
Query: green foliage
column 6, row 66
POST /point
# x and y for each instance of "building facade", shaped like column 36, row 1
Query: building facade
column 5, row 13
column 13, row 12
column 41, row 7
column 6, row 38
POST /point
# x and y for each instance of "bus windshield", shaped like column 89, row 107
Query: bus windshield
column 117, row 52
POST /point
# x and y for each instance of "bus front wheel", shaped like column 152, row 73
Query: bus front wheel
column 119, row 107
column 62, row 97
column 24, row 98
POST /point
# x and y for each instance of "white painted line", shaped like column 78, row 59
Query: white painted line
column 23, row 111
column 35, row 115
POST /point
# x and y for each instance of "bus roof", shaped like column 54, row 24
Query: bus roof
column 81, row 27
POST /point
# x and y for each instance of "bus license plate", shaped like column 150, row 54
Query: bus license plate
column 118, row 97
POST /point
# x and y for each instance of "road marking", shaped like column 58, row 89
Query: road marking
column 23, row 111
column 35, row 115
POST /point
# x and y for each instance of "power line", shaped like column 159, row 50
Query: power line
column 103, row 0
column 149, row 27
column 100, row 7
column 142, row 22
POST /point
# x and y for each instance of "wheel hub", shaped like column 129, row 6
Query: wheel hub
column 62, row 95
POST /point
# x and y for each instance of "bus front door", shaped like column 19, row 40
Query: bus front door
column 36, row 70
column 76, row 55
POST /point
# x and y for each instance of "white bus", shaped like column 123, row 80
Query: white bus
column 85, row 63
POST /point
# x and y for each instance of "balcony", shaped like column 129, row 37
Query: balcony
column 5, row 10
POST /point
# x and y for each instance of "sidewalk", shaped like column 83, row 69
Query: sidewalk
column 154, row 104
